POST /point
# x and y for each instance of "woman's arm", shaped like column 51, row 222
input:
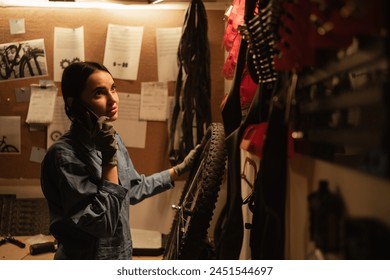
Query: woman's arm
column 173, row 175
column 92, row 203
column 110, row 173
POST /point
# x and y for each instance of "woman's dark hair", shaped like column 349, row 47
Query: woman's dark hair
column 74, row 79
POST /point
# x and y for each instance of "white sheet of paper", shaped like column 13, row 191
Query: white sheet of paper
column 122, row 51
column 60, row 123
column 22, row 94
column 154, row 99
column 37, row 154
column 130, row 128
column 68, row 48
column 41, row 107
column 10, row 128
column 17, row 26
column 167, row 40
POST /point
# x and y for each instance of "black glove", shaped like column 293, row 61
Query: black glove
column 105, row 141
column 188, row 161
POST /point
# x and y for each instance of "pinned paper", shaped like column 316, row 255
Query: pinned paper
column 17, row 26
column 37, row 154
column 14, row 69
column 122, row 51
column 167, row 40
column 154, row 99
column 10, row 134
column 68, row 48
column 129, row 126
column 60, row 123
column 22, row 94
column 42, row 102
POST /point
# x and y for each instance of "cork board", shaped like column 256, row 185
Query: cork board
column 40, row 23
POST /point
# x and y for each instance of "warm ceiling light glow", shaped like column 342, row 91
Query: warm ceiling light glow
column 110, row 4
column 155, row 1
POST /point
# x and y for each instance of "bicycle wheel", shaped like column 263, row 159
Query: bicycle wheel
column 9, row 57
column 187, row 238
column 9, row 149
column 32, row 65
column 4, row 72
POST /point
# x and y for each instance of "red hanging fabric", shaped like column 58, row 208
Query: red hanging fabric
column 232, row 38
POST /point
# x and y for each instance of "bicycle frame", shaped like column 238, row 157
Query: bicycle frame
column 24, row 57
column 7, row 64
column 29, row 54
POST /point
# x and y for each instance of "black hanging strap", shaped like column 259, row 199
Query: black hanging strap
column 193, row 87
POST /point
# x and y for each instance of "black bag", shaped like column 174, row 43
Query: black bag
column 267, row 238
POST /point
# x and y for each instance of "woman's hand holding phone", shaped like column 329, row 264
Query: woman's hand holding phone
column 105, row 141
column 102, row 133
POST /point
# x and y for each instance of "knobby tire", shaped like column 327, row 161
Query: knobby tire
column 188, row 238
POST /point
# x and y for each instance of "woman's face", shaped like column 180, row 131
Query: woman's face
column 100, row 95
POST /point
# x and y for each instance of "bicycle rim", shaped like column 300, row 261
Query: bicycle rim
column 9, row 149
column 30, row 67
column 188, row 235
column 4, row 69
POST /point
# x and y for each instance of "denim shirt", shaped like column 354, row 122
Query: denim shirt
column 89, row 216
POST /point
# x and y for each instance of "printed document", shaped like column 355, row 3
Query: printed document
column 41, row 107
column 128, row 125
column 68, row 48
column 123, row 50
column 154, row 101
column 167, row 46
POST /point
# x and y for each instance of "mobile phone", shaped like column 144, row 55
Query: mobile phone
column 84, row 115
column 92, row 116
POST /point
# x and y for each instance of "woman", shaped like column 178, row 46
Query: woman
column 87, row 175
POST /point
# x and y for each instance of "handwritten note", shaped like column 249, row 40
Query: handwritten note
column 128, row 125
column 41, row 107
column 17, row 26
column 167, row 40
column 154, row 101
